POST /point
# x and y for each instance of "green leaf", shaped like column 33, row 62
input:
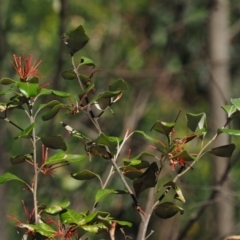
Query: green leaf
column 106, row 94
column 92, row 217
column 73, row 132
column 87, row 61
column 62, row 157
column 28, row 89
column 147, row 180
column 147, row 136
column 42, row 228
column 163, row 127
column 57, row 208
column 131, row 172
column 20, row 159
column 85, row 175
column 167, row 209
column 46, row 91
column 76, row 40
column 236, row 103
column 50, row 104
column 52, row 112
column 120, row 84
column 69, row 75
column 89, row 88
column 185, row 156
column 26, row 133
column 7, row 81
column 231, row 132
column 124, row 223
column 9, row 177
column 54, row 142
column 196, row 122
column 223, row 151
column 95, row 228
column 138, row 164
column 230, row 110
column 179, row 195
column 102, row 193
column 69, row 216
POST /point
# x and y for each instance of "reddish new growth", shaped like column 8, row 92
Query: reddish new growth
column 25, row 68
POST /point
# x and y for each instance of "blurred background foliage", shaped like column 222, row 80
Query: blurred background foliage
column 160, row 48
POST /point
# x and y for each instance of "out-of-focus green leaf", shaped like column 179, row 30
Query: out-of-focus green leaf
column 7, row 81
column 69, row 216
column 85, row 175
column 87, row 61
column 61, row 157
column 185, row 156
column 28, row 89
column 46, row 91
column 69, row 75
column 147, row 136
column 120, row 84
column 52, row 112
column 92, row 217
column 50, row 104
column 20, row 159
column 57, row 208
column 138, row 164
column 196, row 122
column 102, row 193
column 95, row 228
column 9, row 177
column 26, row 133
column 230, row 110
column 179, row 195
column 167, row 209
column 163, row 127
column 231, row 132
column 236, row 103
column 54, row 142
column 76, row 40
column 131, row 172
column 147, row 180
column 223, row 151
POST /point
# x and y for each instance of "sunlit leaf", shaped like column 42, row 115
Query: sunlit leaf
column 230, row 110
column 167, row 209
column 54, row 142
column 92, row 217
column 57, row 208
column 147, row 180
column 87, row 61
column 95, row 228
column 46, row 91
column 223, row 151
column 236, row 102
column 138, row 164
column 179, row 195
column 163, row 127
column 69, row 216
column 60, row 157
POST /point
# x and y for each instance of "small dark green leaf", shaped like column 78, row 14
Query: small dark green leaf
column 63, row 157
column 20, row 159
column 85, row 175
column 7, row 81
column 147, row 136
column 223, row 151
column 69, row 75
column 87, row 61
column 231, row 132
column 163, row 127
column 102, row 193
column 131, row 172
column 167, row 209
column 76, row 40
column 185, row 156
column 52, row 112
column 120, row 84
column 138, row 164
column 147, row 180
column 50, row 104
column 26, row 133
column 9, row 177
column 54, row 142
column 28, row 89
column 57, row 208
column 196, row 122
